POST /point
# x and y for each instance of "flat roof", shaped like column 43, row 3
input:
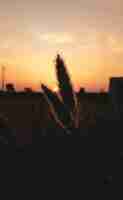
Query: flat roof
column 116, row 78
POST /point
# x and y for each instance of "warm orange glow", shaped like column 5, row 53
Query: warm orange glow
column 26, row 72
column 32, row 33
column 55, row 89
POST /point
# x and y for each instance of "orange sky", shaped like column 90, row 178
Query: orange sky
column 88, row 34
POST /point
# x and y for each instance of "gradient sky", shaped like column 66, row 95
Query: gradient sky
column 87, row 33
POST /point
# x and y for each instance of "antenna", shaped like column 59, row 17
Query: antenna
column 3, row 77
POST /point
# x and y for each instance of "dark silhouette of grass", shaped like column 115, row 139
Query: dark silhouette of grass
column 58, row 109
column 65, row 109
column 65, row 85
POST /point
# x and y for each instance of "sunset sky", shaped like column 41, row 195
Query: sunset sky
column 87, row 33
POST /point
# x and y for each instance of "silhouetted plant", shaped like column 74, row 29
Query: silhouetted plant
column 65, row 109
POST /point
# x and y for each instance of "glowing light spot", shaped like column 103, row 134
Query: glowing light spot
column 55, row 89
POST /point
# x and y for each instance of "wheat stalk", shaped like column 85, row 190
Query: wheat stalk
column 66, row 111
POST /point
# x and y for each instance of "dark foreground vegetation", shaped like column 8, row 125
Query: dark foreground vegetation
column 28, row 115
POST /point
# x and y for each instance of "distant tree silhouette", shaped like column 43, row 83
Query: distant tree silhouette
column 65, row 109
column 28, row 90
column 81, row 92
column 10, row 87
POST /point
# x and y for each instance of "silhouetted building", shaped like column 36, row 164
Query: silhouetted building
column 116, row 93
column 10, row 87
